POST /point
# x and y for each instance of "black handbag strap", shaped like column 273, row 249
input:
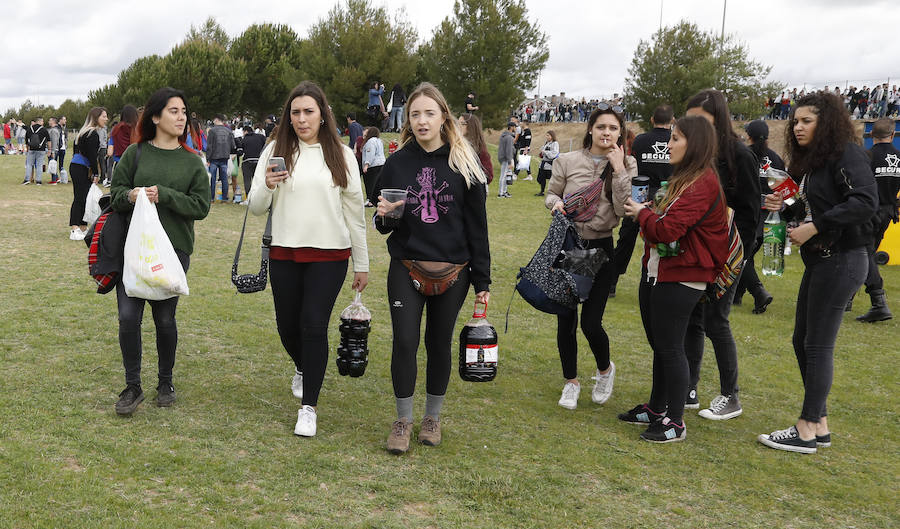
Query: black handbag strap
column 266, row 240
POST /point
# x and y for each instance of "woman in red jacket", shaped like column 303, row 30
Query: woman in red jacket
column 685, row 246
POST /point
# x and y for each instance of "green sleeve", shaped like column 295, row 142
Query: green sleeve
column 193, row 204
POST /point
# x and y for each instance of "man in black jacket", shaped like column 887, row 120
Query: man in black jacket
column 37, row 139
column 886, row 166
column 651, row 150
column 252, row 145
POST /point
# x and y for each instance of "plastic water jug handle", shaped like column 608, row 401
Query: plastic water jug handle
column 483, row 313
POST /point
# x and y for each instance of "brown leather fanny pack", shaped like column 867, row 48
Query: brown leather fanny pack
column 433, row 278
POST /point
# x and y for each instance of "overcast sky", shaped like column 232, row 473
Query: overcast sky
column 592, row 42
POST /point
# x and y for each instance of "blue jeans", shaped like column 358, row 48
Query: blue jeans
column 220, row 166
column 825, row 289
column 34, row 161
column 395, row 121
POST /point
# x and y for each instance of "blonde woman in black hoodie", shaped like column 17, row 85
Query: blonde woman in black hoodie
column 443, row 221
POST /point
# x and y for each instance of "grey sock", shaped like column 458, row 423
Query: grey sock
column 433, row 405
column 404, row 408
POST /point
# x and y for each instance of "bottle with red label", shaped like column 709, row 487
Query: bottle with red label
column 392, row 146
column 478, row 348
column 782, row 184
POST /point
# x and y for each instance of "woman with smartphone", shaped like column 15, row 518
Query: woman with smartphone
column 443, row 226
column 838, row 197
column 311, row 183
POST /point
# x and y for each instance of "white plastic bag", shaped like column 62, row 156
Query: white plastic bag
column 152, row 270
column 92, row 208
column 63, row 176
column 53, row 167
column 524, row 163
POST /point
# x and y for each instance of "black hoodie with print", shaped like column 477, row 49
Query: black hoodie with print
column 443, row 220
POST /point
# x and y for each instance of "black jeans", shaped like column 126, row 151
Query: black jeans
column 81, row 185
column 873, row 279
column 131, row 313
column 710, row 318
column 406, row 305
column 665, row 311
column 304, row 295
column 825, row 289
column 591, row 319
column 543, row 176
column 628, row 233
column 247, row 169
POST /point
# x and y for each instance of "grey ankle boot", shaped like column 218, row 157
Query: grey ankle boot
column 879, row 310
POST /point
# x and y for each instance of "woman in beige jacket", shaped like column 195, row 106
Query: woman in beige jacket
column 602, row 157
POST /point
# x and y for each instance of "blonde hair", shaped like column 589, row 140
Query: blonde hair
column 463, row 158
column 91, row 123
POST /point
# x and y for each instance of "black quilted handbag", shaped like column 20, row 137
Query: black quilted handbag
column 248, row 283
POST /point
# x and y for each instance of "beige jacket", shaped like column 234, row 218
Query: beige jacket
column 576, row 169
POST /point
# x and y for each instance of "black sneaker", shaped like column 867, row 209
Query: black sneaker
column 665, row 431
column 641, row 414
column 788, row 440
column 165, row 395
column 823, row 441
column 129, row 399
column 692, row 402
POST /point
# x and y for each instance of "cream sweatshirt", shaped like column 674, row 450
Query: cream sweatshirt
column 308, row 210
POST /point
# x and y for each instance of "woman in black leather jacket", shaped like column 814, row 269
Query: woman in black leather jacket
column 837, row 199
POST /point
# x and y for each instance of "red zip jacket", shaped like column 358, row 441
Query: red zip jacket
column 705, row 248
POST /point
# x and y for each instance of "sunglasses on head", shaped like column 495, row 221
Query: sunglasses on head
column 615, row 108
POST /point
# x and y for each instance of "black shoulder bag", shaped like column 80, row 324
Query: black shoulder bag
column 249, row 283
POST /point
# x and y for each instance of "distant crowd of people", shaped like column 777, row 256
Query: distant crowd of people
column 862, row 103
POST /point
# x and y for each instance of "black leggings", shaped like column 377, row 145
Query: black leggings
column 591, row 319
column 665, row 311
column 131, row 313
column 248, row 168
column 710, row 319
column 304, row 295
column 81, row 184
column 406, row 319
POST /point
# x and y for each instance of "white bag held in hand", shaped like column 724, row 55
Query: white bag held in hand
column 524, row 163
column 92, row 208
column 152, row 270
column 53, row 167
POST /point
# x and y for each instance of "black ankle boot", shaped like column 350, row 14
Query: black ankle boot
column 761, row 300
column 879, row 310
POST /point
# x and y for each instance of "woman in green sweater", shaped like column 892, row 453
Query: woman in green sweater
column 174, row 179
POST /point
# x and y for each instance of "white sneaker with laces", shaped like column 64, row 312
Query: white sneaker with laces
column 603, row 385
column 73, row 235
column 297, row 384
column 306, row 421
column 569, row 399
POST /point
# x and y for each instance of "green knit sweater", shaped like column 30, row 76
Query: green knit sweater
column 183, row 185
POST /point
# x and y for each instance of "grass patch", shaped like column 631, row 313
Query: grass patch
column 225, row 455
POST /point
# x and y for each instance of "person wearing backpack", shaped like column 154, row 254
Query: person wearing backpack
column 685, row 246
column 37, row 140
column 738, row 171
column 601, row 165
column 176, row 181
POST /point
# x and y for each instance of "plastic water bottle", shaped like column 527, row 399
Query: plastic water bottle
column 774, row 236
column 478, row 348
column 661, row 192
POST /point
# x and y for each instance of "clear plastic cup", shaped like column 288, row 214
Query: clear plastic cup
column 392, row 218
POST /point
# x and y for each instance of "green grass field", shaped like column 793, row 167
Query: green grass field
column 225, row 455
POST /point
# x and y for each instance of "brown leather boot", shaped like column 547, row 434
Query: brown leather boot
column 430, row 432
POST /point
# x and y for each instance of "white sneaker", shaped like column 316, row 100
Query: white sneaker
column 603, row 386
column 297, row 384
column 306, row 422
column 77, row 235
column 569, row 399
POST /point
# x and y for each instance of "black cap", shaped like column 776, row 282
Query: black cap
column 510, row 124
column 757, row 130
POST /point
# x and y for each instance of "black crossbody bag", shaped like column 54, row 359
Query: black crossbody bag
column 249, row 283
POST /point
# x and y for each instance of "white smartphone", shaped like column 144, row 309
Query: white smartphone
column 279, row 163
